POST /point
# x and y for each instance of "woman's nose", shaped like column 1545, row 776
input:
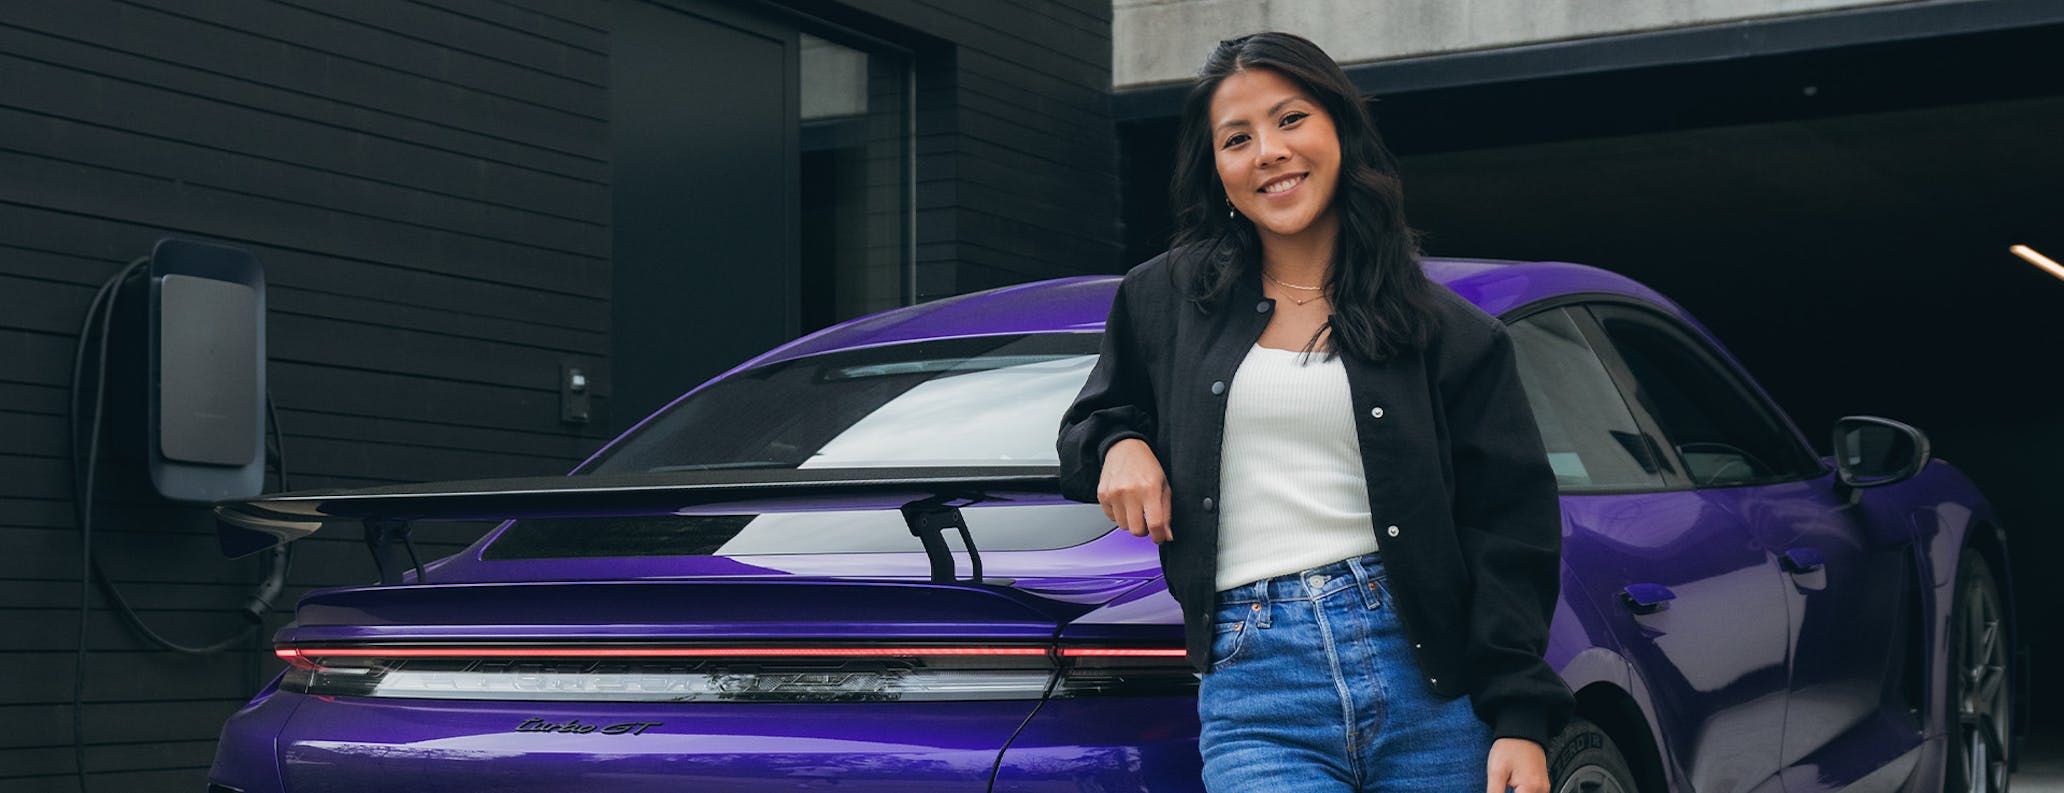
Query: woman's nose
column 1267, row 150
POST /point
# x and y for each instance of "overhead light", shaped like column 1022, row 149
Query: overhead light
column 2038, row 260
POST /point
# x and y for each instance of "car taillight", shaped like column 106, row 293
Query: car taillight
column 671, row 674
column 786, row 673
column 1124, row 671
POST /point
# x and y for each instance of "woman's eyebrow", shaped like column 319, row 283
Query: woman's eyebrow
column 1273, row 109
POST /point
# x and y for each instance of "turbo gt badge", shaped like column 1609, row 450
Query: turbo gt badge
column 576, row 727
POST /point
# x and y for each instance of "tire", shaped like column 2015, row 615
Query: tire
column 1980, row 699
column 1583, row 759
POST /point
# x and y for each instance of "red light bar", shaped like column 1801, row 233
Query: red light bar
column 299, row 655
column 1123, row 652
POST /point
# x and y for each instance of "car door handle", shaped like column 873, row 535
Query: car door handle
column 1646, row 598
column 1801, row 560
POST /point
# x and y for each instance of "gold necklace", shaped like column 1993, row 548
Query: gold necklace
column 1295, row 301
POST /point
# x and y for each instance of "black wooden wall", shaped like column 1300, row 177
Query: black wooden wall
column 427, row 186
column 1016, row 158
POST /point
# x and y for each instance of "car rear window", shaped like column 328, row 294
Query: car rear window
column 989, row 401
column 1024, row 527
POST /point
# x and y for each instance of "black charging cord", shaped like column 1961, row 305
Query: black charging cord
column 84, row 474
column 82, row 486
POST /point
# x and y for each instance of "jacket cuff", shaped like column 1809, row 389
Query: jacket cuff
column 1523, row 720
column 1104, row 447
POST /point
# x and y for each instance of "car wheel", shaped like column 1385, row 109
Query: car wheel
column 1583, row 759
column 1978, row 695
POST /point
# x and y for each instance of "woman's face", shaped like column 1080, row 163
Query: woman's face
column 1277, row 153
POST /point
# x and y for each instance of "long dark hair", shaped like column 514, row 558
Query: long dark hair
column 1382, row 301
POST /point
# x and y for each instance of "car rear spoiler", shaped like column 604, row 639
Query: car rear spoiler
column 930, row 499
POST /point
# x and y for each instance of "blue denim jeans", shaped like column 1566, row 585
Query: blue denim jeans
column 1313, row 687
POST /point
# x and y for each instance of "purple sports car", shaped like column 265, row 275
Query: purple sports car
column 845, row 566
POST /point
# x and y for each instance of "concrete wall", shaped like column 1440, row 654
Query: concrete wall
column 1158, row 41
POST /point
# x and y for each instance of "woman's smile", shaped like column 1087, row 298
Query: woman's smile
column 1281, row 185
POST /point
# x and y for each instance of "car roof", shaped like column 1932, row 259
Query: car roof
column 1080, row 304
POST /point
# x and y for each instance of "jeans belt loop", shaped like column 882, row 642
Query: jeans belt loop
column 1262, row 599
column 1365, row 582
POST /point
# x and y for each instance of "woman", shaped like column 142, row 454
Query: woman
column 1357, row 515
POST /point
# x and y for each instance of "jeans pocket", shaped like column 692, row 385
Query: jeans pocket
column 1226, row 640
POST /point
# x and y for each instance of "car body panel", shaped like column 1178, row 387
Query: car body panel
column 1846, row 712
column 1133, row 743
column 686, row 609
column 506, row 746
column 1717, row 702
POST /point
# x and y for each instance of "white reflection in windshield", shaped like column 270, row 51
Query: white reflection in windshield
column 1029, row 527
column 1014, row 413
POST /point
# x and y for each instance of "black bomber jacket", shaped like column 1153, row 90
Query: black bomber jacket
column 1460, row 490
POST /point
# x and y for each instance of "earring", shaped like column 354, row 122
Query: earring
column 1230, row 213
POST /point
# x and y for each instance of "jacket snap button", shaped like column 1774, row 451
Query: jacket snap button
column 1263, row 307
column 1392, row 531
column 1217, row 387
column 1209, row 505
column 1376, row 413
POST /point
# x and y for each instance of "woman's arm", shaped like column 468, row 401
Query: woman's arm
column 1509, row 525
column 1116, row 404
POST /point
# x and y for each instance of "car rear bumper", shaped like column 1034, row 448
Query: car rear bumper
column 299, row 743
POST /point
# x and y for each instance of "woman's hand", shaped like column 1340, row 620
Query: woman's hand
column 1134, row 490
column 1518, row 764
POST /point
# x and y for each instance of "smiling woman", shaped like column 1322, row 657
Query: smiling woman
column 1324, row 671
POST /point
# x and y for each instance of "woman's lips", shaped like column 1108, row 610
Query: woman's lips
column 1294, row 181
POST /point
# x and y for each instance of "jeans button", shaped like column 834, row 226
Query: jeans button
column 1316, row 581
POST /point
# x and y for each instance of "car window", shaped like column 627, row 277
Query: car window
column 989, row 401
column 1723, row 431
column 1593, row 442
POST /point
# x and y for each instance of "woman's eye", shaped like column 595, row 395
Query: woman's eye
column 1235, row 141
column 1292, row 118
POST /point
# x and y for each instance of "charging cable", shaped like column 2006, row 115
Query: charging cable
column 101, row 311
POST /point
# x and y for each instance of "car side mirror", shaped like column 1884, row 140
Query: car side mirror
column 1870, row 451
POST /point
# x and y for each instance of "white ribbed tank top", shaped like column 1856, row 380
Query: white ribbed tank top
column 1291, row 490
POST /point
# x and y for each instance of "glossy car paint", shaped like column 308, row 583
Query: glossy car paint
column 1755, row 678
